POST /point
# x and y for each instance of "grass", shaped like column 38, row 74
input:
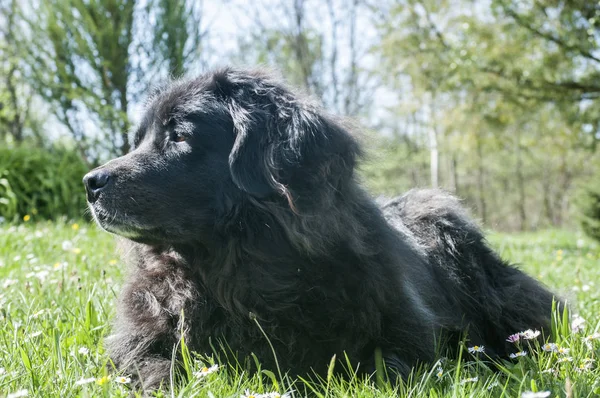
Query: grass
column 59, row 282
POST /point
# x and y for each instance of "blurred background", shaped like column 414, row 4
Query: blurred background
column 497, row 101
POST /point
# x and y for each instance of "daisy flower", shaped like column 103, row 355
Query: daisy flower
column 531, row 394
column 577, row 323
column 9, row 282
column 123, row 380
column 248, row 394
column 588, row 340
column 530, row 334
column 585, row 365
column 440, row 372
column 206, row 371
column 594, row 336
column 83, row 351
column 476, row 348
column 513, row 338
column 518, row 354
column 81, row 382
column 493, row 385
column 20, row 393
column 469, row 380
column 562, row 350
column 550, row 347
column 274, row 395
column 550, row 371
column 565, row 359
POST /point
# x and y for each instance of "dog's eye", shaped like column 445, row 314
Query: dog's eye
column 178, row 137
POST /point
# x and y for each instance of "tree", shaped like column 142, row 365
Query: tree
column 12, row 114
column 87, row 60
column 494, row 89
column 315, row 45
column 178, row 35
column 79, row 62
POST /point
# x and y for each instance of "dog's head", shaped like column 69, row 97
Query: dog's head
column 207, row 146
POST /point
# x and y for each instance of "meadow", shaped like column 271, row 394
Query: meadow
column 58, row 287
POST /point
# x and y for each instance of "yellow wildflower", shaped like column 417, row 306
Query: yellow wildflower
column 103, row 380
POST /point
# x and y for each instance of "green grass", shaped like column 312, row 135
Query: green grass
column 58, row 285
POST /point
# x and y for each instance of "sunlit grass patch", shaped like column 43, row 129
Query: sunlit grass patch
column 59, row 281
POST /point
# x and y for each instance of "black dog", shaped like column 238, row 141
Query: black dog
column 240, row 197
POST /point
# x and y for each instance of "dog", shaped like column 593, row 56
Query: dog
column 246, row 227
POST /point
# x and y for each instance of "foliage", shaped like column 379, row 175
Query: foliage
column 78, row 58
column 90, row 60
column 177, row 35
column 496, row 101
column 59, row 282
column 41, row 183
column 503, row 97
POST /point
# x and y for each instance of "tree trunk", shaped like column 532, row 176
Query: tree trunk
column 454, row 171
column 434, row 157
column 520, row 184
column 16, row 124
column 481, row 180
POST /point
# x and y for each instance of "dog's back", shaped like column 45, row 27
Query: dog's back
column 494, row 299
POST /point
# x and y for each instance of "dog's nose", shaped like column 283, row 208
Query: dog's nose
column 94, row 182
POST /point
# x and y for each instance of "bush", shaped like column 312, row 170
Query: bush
column 589, row 205
column 44, row 183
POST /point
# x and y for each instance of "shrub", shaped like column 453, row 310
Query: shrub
column 40, row 182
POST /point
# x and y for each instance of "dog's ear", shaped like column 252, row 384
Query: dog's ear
column 283, row 144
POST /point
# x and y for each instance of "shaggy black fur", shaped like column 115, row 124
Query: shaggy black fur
column 240, row 197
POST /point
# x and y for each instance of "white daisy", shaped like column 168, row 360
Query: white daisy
column 17, row 394
column 550, row 347
column 123, row 380
column 248, row 394
column 493, row 385
column 531, row 394
column 274, row 395
column 577, row 323
column 518, row 354
column 83, row 351
column 206, row 371
column 85, row 381
column 476, row 348
column 588, row 340
column 530, row 334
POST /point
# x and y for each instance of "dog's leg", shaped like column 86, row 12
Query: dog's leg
column 151, row 322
